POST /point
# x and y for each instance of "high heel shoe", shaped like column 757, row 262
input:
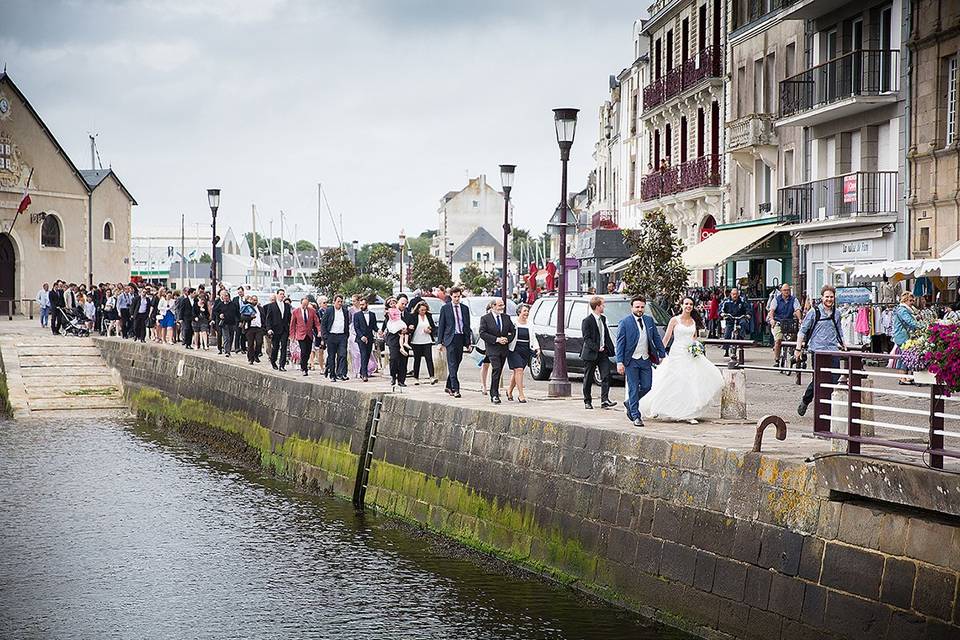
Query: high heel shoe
column 509, row 397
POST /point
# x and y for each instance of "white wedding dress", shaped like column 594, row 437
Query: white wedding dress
column 683, row 384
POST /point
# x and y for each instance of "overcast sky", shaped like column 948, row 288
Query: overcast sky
column 388, row 103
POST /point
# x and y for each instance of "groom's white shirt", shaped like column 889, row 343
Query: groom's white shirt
column 642, row 352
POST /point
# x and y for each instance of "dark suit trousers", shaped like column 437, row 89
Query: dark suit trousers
column 278, row 347
column 424, row 351
column 337, row 355
column 365, row 350
column 603, row 366
column 254, row 343
column 186, row 330
column 306, row 346
column 398, row 361
column 140, row 327
column 55, row 320
column 125, row 322
column 454, row 358
column 226, row 336
column 497, row 359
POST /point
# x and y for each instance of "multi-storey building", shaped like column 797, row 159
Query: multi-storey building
column 761, row 52
column 934, row 128
column 681, row 115
column 843, row 193
column 478, row 205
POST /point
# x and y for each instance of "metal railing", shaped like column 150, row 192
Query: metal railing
column 853, row 194
column 705, row 64
column 865, row 72
column 927, row 432
column 605, row 220
column 10, row 307
column 757, row 9
column 692, row 174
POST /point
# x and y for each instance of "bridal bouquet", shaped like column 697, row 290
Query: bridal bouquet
column 696, row 349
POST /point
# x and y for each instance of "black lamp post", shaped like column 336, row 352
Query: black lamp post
column 506, row 179
column 213, row 199
column 356, row 245
column 565, row 121
column 403, row 242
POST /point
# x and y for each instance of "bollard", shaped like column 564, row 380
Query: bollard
column 439, row 363
column 733, row 401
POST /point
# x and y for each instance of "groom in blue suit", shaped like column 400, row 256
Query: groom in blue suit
column 639, row 348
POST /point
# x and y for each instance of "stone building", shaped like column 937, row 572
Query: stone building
column 478, row 205
column 934, row 147
column 682, row 115
column 843, row 193
column 72, row 211
column 762, row 50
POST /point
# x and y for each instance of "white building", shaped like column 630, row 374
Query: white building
column 478, row 205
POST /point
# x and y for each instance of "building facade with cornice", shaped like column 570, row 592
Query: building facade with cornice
column 77, row 226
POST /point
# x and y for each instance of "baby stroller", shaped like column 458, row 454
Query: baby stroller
column 73, row 322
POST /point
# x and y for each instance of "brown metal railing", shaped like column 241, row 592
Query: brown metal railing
column 864, row 72
column 705, row 64
column 692, row 174
column 927, row 436
column 853, row 194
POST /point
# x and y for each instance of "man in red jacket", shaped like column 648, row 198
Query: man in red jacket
column 304, row 325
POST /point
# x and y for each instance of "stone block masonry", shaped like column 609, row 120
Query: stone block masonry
column 722, row 543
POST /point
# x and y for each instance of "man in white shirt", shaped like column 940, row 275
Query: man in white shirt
column 596, row 353
column 277, row 317
column 639, row 348
column 336, row 330
column 43, row 299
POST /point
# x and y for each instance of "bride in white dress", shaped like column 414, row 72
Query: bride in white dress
column 684, row 383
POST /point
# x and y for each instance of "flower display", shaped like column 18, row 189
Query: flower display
column 696, row 349
column 942, row 358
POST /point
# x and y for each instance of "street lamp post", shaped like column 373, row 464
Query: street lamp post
column 213, row 199
column 403, row 242
column 356, row 244
column 565, row 121
column 506, row 179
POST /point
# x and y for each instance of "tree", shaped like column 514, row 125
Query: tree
column 474, row 279
column 519, row 237
column 429, row 271
column 380, row 260
column 657, row 268
column 265, row 247
column 305, row 245
column 421, row 244
column 368, row 286
column 335, row 270
column 205, row 259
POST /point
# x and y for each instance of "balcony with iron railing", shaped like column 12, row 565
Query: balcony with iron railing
column 755, row 11
column 754, row 130
column 693, row 174
column 705, row 64
column 853, row 83
column 863, row 193
column 608, row 219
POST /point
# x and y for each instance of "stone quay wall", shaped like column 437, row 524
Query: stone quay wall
column 722, row 543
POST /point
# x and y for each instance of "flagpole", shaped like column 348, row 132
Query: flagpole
column 21, row 207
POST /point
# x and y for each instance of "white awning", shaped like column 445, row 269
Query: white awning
column 618, row 266
column 723, row 244
column 875, row 271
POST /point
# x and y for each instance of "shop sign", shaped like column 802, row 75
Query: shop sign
column 706, row 233
column 850, row 189
column 857, row 248
column 854, row 295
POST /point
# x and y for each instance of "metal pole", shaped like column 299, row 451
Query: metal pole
column 559, row 386
column 256, row 258
column 506, row 234
column 213, row 256
column 183, row 252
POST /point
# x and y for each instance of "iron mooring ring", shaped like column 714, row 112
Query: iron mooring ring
column 765, row 422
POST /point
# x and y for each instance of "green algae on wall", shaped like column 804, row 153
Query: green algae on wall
column 325, row 463
column 6, row 411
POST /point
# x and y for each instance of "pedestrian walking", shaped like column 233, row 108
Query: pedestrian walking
column 905, row 323
column 422, row 338
column 304, row 325
column 398, row 358
column 335, row 326
column 278, row 328
column 252, row 316
column 201, row 324
column 497, row 331
column 821, row 332
column 596, row 353
column 453, row 334
column 227, row 315
column 43, row 300
column 638, row 349
column 365, row 332
column 521, row 349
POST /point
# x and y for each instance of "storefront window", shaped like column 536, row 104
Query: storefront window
column 818, row 280
column 774, row 273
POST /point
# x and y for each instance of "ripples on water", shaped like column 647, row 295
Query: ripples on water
column 110, row 529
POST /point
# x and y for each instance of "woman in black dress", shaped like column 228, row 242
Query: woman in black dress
column 521, row 349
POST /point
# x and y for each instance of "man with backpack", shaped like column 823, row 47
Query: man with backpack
column 821, row 332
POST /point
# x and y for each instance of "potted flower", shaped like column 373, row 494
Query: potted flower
column 915, row 354
column 942, row 357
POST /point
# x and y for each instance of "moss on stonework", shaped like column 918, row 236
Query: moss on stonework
column 284, row 457
column 487, row 525
column 6, row 411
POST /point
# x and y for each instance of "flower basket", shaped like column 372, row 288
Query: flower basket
column 943, row 355
column 696, row 349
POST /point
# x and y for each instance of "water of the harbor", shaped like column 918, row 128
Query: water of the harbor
column 112, row 529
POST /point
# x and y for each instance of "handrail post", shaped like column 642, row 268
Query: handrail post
column 935, row 440
column 853, row 408
column 819, row 424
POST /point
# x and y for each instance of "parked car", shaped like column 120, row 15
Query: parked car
column 543, row 320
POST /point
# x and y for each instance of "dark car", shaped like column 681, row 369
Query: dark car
column 543, row 321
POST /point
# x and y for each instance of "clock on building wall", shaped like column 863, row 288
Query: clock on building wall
column 4, row 107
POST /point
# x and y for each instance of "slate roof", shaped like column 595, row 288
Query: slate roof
column 479, row 237
column 93, row 178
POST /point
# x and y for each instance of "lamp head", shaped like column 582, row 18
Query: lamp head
column 565, row 121
column 213, row 199
column 506, row 176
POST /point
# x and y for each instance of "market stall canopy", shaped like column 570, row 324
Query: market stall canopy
column 723, row 244
column 895, row 270
column 950, row 262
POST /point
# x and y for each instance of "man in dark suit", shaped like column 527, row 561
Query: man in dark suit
column 596, row 353
column 335, row 327
column 226, row 314
column 56, row 304
column 639, row 349
column 278, row 328
column 303, row 323
column 365, row 329
column 496, row 331
column 185, row 315
column 453, row 334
